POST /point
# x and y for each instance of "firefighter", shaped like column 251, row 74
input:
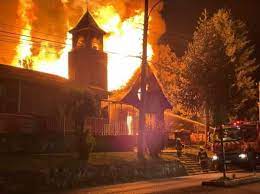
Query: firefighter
column 203, row 159
column 179, row 147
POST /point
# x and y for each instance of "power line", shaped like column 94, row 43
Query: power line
column 17, row 34
column 180, row 36
column 27, row 29
column 33, row 37
column 62, row 43
column 38, row 46
column 37, row 42
column 13, row 42
column 31, row 41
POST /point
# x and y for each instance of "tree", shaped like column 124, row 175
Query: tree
column 72, row 109
column 75, row 106
column 219, row 68
column 169, row 70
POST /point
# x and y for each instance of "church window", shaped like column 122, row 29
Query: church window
column 95, row 44
column 81, row 42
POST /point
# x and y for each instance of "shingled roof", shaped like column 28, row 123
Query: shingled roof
column 15, row 73
column 7, row 71
column 87, row 22
column 129, row 93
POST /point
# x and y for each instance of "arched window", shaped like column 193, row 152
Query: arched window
column 95, row 44
column 81, row 42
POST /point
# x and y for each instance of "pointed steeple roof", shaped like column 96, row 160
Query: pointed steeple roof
column 156, row 95
column 87, row 22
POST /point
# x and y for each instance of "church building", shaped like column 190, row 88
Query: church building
column 32, row 101
column 36, row 102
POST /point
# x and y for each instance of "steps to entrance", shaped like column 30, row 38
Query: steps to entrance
column 192, row 166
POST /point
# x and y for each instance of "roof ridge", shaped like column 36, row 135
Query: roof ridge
column 86, row 21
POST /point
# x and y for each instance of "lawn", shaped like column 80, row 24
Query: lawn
column 11, row 162
column 123, row 157
column 42, row 162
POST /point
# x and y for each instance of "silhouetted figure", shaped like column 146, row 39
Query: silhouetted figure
column 179, row 147
column 203, row 159
column 251, row 155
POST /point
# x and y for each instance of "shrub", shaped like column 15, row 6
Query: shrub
column 86, row 145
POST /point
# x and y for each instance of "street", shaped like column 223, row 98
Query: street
column 252, row 189
column 180, row 185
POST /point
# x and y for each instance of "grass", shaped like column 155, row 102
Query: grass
column 43, row 162
column 31, row 162
column 123, row 157
column 102, row 158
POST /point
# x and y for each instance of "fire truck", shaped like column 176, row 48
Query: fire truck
column 238, row 137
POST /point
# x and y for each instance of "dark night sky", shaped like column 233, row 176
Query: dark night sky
column 181, row 17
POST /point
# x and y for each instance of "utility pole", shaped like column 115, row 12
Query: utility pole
column 140, row 151
column 207, row 122
column 223, row 152
column 259, row 102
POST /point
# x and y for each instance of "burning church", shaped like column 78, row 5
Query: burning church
column 37, row 102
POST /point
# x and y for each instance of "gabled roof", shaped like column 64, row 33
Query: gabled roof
column 16, row 73
column 87, row 22
column 129, row 94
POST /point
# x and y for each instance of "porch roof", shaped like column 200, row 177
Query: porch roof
column 156, row 99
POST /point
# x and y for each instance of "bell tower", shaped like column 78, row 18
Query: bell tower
column 87, row 60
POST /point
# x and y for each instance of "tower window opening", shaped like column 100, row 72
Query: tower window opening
column 81, row 42
column 95, row 44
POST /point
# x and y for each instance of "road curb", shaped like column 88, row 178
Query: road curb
column 232, row 182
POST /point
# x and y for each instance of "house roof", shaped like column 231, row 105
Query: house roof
column 155, row 94
column 7, row 71
column 87, row 22
column 15, row 73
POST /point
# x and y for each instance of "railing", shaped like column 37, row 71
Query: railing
column 102, row 127
column 37, row 124
column 28, row 123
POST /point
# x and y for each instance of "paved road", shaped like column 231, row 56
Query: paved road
column 180, row 185
column 245, row 189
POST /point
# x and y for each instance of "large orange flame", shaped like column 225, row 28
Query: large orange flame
column 50, row 61
column 123, row 44
column 23, row 49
